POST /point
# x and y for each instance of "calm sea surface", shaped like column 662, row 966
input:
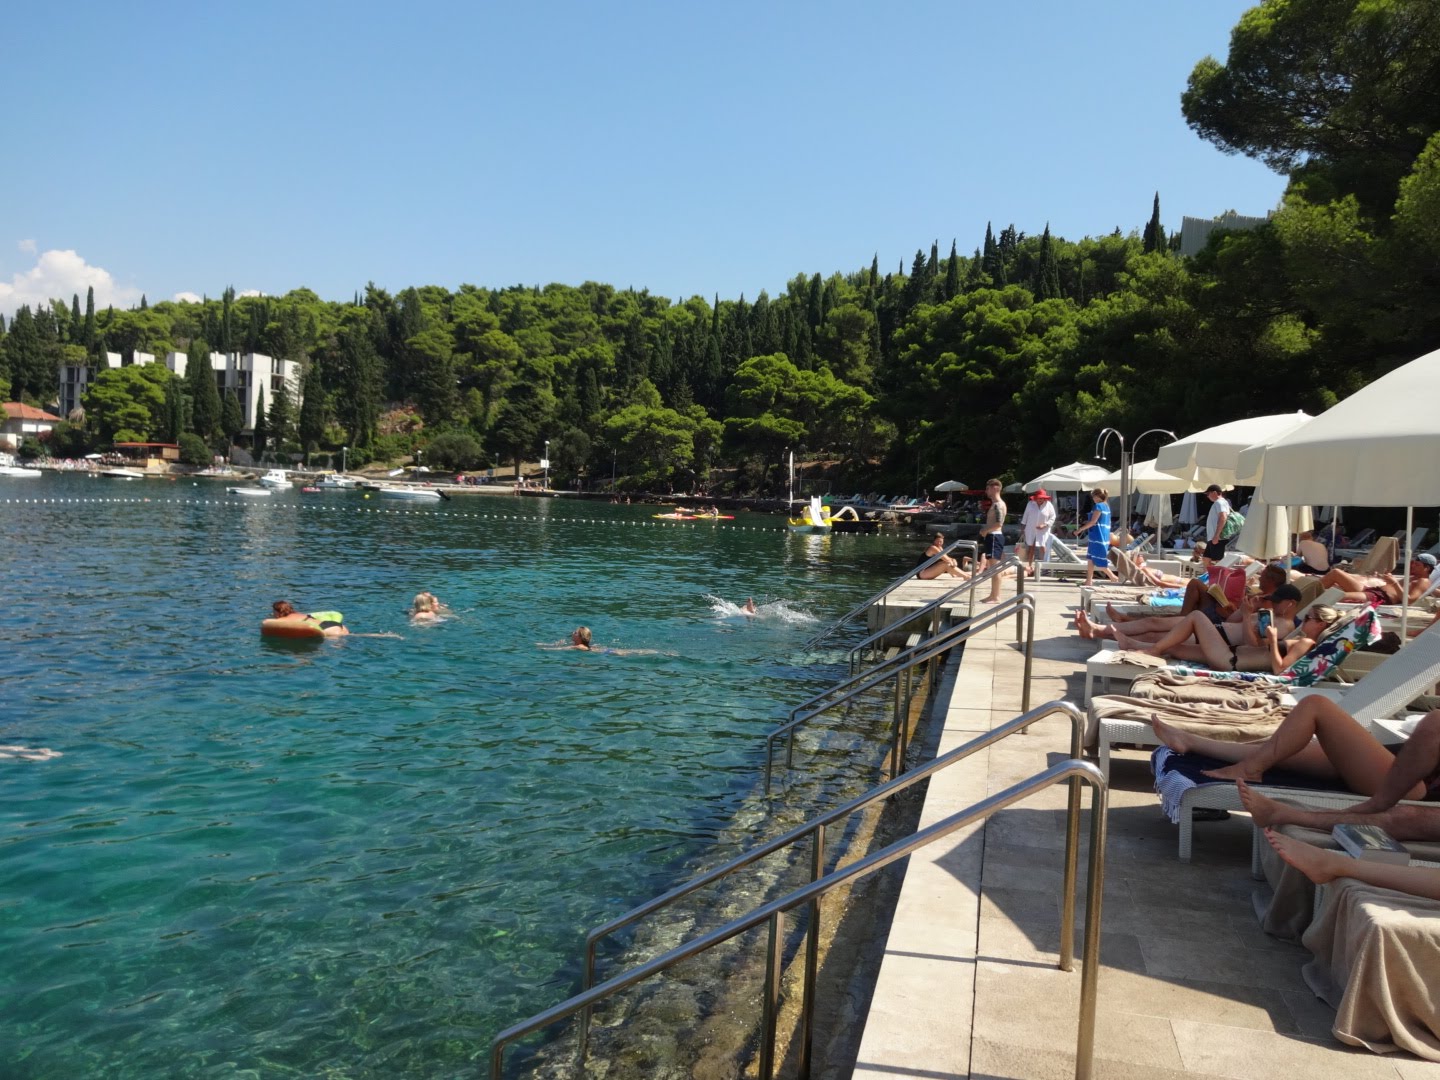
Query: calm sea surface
column 364, row 857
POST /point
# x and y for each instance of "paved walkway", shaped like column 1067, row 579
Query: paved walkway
column 1189, row 985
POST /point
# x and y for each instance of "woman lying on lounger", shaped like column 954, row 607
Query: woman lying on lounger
column 1237, row 646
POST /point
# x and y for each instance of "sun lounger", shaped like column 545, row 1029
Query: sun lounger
column 1394, row 684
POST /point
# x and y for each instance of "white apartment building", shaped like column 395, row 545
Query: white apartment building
column 247, row 374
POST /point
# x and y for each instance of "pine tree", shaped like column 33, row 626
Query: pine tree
column 280, row 419
column 89, row 337
column 915, row 284
column 1047, row 273
column 1154, row 238
column 262, row 428
column 991, row 258
column 875, row 270
column 227, row 326
column 174, row 410
column 77, row 328
column 144, row 304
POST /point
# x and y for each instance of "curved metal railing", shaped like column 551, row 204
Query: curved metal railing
column 817, row 827
column 860, row 608
column 896, row 667
column 773, row 913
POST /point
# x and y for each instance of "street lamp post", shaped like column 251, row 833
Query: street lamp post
column 1127, row 461
column 344, row 457
column 546, row 465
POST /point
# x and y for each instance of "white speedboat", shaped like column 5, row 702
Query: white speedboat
column 335, row 480
column 250, row 492
column 405, row 491
column 123, row 474
column 276, row 478
column 9, row 468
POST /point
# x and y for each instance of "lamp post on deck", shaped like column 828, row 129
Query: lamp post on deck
column 1127, row 461
column 545, row 464
column 344, row 457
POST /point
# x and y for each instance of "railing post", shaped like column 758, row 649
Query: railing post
column 773, row 964
column 1029, row 616
column 1090, row 970
column 1021, row 613
column 812, row 958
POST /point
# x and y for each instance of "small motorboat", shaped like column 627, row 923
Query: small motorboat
column 276, row 478
column 407, row 491
column 19, row 472
column 250, row 492
column 815, row 518
column 310, row 490
column 123, row 474
column 335, row 480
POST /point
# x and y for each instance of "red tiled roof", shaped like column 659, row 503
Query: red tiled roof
column 16, row 411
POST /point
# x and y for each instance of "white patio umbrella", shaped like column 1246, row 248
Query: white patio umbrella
column 1378, row 447
column 1077, row 476
column 1146, row 479
column 1188, row 514
column 1211, row 456
column 951, row 485
column 1269, row 530
column 1157, row 512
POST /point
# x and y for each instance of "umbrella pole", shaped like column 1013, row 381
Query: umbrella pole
column 1405, row 587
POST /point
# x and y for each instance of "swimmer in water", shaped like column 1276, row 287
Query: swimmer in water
column 750, row 608
column 582, row 639
column 427, row 608
column 331, row 623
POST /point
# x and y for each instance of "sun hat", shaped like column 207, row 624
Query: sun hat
column 1040, row 496
column 1426, row 558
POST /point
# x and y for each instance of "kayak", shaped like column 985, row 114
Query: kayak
column 694, row 517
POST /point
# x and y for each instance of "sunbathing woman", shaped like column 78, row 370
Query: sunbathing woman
column 1383, row 589
column 942, row 566
column 1236, row 646
column 1149, row 629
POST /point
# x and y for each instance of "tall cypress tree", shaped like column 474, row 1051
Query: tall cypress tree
column 312, row 408
column 232, row 416
column 89, row 337
column 204, row 393
column 280, row 420
column 262, row 428
column 77, row 328
column 1154, row 238
column 951, row 288
column 1047, row 272
column 991, row 258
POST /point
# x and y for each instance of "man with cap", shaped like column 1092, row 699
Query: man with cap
column 1215, row 544
column 1036, row 522
column 1385, row 588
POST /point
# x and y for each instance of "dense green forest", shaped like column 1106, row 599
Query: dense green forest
column 1003, row 356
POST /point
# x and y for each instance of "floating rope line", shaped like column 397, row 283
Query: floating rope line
column 446, row 514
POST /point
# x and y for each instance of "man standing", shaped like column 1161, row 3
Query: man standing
column 1215, row 544
column 992, row 537
column 1039, row 516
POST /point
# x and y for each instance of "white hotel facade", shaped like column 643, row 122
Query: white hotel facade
column 247, row 374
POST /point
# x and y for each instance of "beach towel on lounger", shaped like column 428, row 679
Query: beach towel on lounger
column 1375, row 954
column 1324, row 658
column 1176, row 774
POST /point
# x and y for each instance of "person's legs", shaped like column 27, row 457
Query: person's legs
column 1182, row 631
column 1322, row 866
column 1401, row 822
column 1335, row 578
column 1348, row 749
column 1213, row 643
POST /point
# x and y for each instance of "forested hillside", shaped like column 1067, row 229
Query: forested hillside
column 996, row 355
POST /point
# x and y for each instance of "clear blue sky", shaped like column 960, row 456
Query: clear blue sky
column 683, row 148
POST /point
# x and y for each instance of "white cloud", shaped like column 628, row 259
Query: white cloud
column 187, row 298
column 58, row 275
column 27, row 246
column 248, row 292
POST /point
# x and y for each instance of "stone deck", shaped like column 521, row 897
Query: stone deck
column 1189, row 985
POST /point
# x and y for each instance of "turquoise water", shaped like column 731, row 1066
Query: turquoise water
column 362, row 857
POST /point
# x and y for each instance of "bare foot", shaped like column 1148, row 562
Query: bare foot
column 1084, row 626
column 1172, row 737
column 1115, row 616
column 1239, row 771
column 1127, row 642
column 1265, row 810
column 1315, row 863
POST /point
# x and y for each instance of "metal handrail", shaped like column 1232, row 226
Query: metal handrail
column 974, row 547
column 817, row 827
column 940, row 601
column 898, row 665
column 774, row 912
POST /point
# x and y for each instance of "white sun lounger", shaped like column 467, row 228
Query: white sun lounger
column 1387, row 690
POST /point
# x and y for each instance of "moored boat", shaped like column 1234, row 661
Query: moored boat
column 814, row 518
column 276, row 478
column 123, row 474
column 405, row 491
column 250, row 492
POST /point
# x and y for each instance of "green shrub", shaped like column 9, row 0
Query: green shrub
column 457, row 450
column 193, row 450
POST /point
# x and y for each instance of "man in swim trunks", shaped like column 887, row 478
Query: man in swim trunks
column 1385, row 588
column 992, row 537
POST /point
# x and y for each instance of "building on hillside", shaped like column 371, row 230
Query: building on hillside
column 1195, row 232
column 247, row 374
column 24, row 422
